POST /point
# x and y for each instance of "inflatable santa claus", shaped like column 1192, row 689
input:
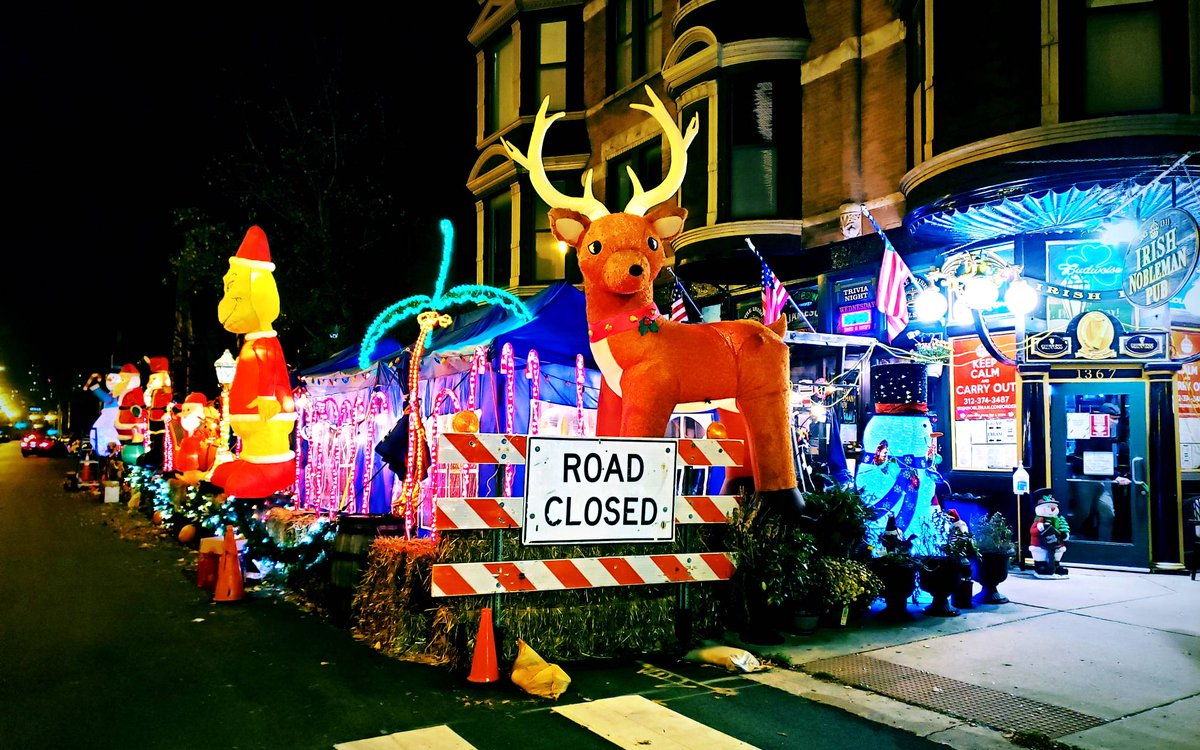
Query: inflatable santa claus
column 131, row 413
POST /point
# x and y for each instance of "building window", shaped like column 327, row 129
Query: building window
column 693, row 193
column 552, row 64
column 498, row 249
column 636, row 40
column 549, row 256
column 502, row 85
column 646, row 162
column 1124, row 57
column 754, row 153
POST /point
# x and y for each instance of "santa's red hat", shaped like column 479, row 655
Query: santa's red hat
column 254, row 251
column 129, row 369
column 158, row 364
column 196, row 398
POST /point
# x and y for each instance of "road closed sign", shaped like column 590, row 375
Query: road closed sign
column 595, row 491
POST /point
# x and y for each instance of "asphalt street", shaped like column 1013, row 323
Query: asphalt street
column 106, row 642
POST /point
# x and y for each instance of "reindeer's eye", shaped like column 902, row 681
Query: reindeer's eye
column 653, row 243
column 594, row 247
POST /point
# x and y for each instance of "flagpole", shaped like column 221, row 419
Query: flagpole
column 683, row 290
column 791, row 301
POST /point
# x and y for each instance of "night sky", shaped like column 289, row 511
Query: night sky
column 112, row 112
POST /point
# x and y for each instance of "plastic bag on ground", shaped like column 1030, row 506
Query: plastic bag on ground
column 728, row 657
column 536, row 676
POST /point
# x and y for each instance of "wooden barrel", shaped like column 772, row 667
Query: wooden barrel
column 355, row 534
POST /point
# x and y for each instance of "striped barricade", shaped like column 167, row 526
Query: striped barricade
column 466, row 579
column 469, row 513
column 490, row 448
column 473, row 513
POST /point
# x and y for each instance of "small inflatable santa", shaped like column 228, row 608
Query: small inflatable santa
column 131, row 413
column 158, row 396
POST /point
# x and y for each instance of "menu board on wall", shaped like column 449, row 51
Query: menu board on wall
column 983, row 402
column 1186, row 344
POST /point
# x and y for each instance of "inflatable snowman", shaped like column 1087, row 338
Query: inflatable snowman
column 104, row 429
column 898, row 473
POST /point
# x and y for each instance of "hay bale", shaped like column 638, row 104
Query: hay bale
column 396, row 614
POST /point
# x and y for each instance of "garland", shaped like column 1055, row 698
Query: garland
column 260, row 545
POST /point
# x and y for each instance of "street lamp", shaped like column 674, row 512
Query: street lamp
column 226, row 367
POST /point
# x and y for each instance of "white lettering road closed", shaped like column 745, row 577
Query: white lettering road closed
column 598, row 490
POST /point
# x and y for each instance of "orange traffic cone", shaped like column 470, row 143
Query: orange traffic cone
column 483, row 664
column 230, row 586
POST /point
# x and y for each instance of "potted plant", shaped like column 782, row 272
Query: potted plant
column 994, row 540
column 772, row 575
column 943, row 570
column 896, row 567
column 839, row 520
column 934, row 353
column 843, row 587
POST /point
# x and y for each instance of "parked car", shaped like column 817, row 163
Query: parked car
column 40, row 444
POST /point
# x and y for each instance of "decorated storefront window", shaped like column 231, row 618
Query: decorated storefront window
column 1186, row 344
column 1084, row 266
column 983, row 400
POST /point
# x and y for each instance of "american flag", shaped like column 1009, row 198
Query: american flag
column 679, row 311
column 893, row 275
column 774, row 296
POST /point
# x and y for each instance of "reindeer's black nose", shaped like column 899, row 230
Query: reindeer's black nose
column 635, row 270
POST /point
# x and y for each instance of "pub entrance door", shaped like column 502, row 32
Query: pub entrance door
column 1098, row 470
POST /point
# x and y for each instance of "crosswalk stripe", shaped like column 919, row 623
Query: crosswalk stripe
column 430, row 738
column 634, row 722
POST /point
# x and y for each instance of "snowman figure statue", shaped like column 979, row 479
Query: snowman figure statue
column 898, row 476
column 1048, row 536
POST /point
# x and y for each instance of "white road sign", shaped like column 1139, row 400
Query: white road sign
column 593, row 490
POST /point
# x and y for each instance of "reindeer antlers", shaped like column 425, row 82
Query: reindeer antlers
column 642, row 200
column 588, row 204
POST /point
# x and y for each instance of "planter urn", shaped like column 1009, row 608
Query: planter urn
column 939, row 578
column 991, row 569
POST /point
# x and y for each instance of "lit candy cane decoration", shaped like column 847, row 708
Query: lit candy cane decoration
column 579, row 394
column 508, row 369
column 443, row 395
column 478, row 363
column 168, row 443
column 411, row 494
column 533, row 371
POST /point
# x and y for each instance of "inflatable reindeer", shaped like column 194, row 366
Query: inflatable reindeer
column 653, row 366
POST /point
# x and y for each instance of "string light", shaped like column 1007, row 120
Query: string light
column 437, row 472
column 508, row 369
column 579, row 380
column 533, row 371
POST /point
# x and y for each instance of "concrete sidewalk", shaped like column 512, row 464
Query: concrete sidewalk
column 1099, row 660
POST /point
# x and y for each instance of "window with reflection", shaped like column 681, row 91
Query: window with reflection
column 549, row 255
column 1123, row 57
column 754, row 154
column 501, row 92
column 646, row 162
column 552, row 64
column 635, row 39
column 498, row 247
